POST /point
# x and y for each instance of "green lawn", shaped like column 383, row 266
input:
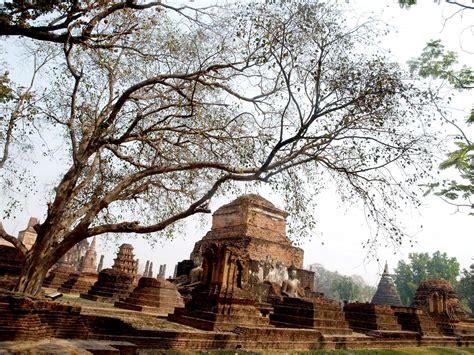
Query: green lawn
column 407, row 351
column 74, row 299
column 401, row 351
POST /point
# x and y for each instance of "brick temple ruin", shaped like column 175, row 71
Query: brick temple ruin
column 243, row 286
column 86, row 275
column 70, row 263
column 116, row 282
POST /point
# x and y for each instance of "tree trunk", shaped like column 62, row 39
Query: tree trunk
column 32, row 275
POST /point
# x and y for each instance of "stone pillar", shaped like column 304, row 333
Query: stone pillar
column 147, row 267
column 162, row 272
column 150, row 270
column 101, row 264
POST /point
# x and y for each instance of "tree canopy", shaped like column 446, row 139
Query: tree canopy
column 435, row 62
column 195, row 101
column 422, row 267
column 340, row 287
column 466, row 288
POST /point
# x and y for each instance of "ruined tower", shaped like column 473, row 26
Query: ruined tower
column 386, row 291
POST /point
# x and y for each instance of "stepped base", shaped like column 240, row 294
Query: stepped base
column 152, row 296
column 318, row 313
column 78, row 283
column 393, row 334
column 57, row 277
column 216, row 321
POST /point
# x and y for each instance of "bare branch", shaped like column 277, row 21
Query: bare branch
column 15, row 241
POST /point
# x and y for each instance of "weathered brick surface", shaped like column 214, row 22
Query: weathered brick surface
column 56, row 277
column 365, row 317
column 78, row 282
column 438, row 299
column 28, row 319
column 10, row 266
column 33, row 320
column 152, row 296
column 110, row 286
column 319, row 313
column 414, row 319
column 255, row 224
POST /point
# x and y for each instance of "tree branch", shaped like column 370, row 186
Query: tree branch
column 15, row 241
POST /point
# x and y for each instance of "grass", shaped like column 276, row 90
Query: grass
column 138, row 320
column 401, row 351
column 75, row 300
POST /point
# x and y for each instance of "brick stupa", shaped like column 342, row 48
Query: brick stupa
column 247, row 241
column 257, row 226
column 385, row 316
column 438, row 299
column 70, row 263
column 153, row 296
column 116, row 282
column 81, row 281
column 386, row 291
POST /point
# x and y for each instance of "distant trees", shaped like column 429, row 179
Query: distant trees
column 422, row 267
column 346, row 289
column 340, row 287
column 157, row 109
column 466, row 288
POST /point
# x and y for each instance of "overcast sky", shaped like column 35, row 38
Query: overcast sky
column 342, row 229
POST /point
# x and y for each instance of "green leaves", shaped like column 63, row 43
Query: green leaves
column 437, row 63
column 5, row 88
column 422, row 267
column 461, row 159
column 465, row 289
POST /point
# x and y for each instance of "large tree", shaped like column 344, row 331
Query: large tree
column 155, row 124
column 422, row 267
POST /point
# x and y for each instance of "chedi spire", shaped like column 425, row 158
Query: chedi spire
column 386, row 291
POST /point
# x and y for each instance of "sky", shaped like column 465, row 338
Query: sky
column 341, row 228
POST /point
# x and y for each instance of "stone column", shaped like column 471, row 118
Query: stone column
column 101, row 264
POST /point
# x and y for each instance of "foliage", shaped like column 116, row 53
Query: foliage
column 437, row 63
column 200, row 100
column 346, row 289
column 465, row 288
column 5, row 89
column 422, row 267
column 340, row 287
